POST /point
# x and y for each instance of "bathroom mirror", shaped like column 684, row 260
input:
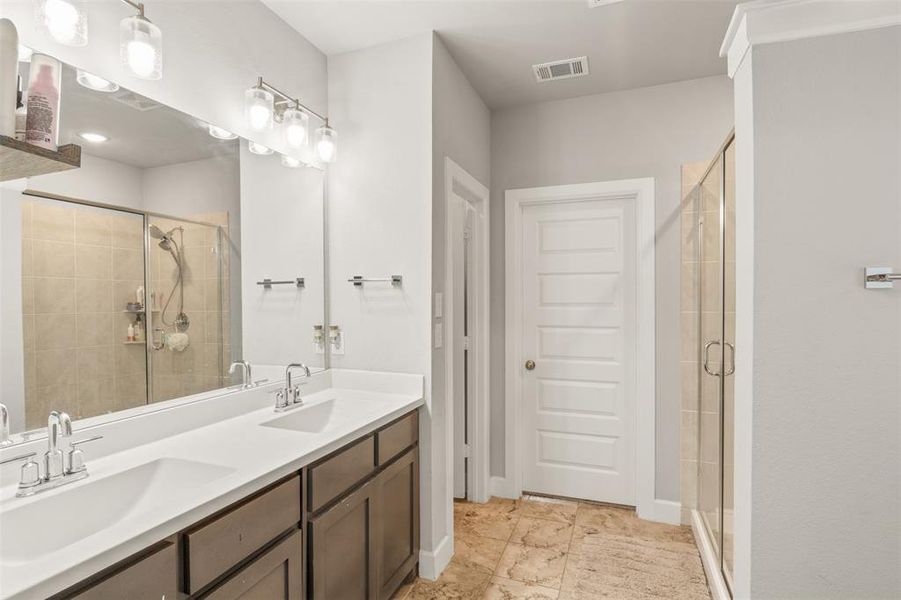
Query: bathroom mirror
column 139, row 277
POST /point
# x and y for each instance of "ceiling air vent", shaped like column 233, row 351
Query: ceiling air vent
column 561, row 69
column 596, row 3
column 136, row 101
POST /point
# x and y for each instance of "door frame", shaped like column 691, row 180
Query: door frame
column 641, row 192
column 479, row 408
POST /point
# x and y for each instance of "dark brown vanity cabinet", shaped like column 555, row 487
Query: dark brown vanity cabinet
column 344, row 528
column 275, row 575
column 365, row 543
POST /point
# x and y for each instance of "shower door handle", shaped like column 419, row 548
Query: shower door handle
column 731, row 368
column 707, row 357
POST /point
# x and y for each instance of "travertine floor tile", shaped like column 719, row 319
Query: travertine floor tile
column 508, row 589
column 478, row 552
column 532, row 565
column 542, row 533
column 458, row 582
column 549, row 508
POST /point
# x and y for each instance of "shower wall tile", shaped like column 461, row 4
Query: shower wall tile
column 53, row 222
column 52, row 259
column 127, row 231
column 128, row 263
column 92, row 262
column 53, row 295
column 93, row 295
column 54, row 332
column 93, row 228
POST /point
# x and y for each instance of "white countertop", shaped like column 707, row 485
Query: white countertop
column 245, row 457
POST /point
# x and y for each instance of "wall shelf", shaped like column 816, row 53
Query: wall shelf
column 20, row 159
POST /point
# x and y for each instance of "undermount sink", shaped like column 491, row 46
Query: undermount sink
column 71, row 514
column 315, row 418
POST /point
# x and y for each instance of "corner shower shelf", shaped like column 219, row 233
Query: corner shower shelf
column 141, row 343
column 21, row 159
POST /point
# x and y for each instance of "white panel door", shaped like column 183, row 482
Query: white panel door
column 579, row 309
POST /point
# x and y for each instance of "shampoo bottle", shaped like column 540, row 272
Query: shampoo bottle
column 9, row 65
column 130, row 333
column 42, row 117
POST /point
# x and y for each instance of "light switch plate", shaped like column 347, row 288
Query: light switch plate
column 439, row 335
column 439, row 305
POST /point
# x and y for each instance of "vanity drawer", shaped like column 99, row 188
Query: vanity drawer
column 153, row 577
column 336, row 474
column 275, row 575
column 397, row 437
column 218, row 545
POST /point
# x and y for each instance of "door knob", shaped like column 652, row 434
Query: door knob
column 530, row 365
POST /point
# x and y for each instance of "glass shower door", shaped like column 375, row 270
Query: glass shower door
column 711, row 338
column 728, row 456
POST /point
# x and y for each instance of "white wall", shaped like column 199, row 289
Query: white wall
column 380, row 224
column 824, row 191
column 211, row 54
column 648, row 132
column 282, row 238
column 98, row 180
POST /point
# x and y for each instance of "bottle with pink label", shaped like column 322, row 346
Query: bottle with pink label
column 42, row 117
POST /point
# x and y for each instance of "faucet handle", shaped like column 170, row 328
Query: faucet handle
column 75, row 457
column 31, row 471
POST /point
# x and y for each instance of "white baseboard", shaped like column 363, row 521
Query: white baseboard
column 432, row 563
column 667, row 511
column 715, row 580
column 502, row 488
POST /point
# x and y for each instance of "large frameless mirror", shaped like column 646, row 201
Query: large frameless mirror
column 141, row 276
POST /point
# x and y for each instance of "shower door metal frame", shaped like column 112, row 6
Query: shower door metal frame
column 146, row 216
column 718, row 161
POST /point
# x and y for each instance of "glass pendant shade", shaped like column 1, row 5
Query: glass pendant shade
column 65, row 21
column 259, row 106
column 93, row 82
column 296, row 124
column 258, row 148
column 141, row 47
column 290, row 161
column 327, row 144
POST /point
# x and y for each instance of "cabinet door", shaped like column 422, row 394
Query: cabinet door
column 341, row 549
column 275, row 575
column 397, row 533
column 154, row 577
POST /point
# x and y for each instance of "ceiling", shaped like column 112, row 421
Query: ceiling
column 153, row 137
column 630, row 44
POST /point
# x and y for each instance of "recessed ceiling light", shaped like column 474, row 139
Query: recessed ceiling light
column 221, row 134
column 597, row 3
column 258, row 148
column 93, row 82
column 94, row 138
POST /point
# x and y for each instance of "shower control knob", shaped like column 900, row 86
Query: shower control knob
column 530, row 365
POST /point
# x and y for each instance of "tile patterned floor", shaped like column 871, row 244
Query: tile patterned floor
column 526, row 549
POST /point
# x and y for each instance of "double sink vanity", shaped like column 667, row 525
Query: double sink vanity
column 228, row 498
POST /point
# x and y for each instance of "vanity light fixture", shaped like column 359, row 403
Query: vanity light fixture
column 265, row 105
column 326, row 143
column 258, row 148
column 65, row 21
column 295, row 124
column 94, row 138
column 141, row 44
column 221, row 134
column 290, row 161
column 259, row 107
column 93, row 82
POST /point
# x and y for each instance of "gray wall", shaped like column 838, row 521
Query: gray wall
column 826, row 458
column 461, row 130
column 648, row 132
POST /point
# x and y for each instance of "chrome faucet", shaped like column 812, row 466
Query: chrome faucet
column 4, row 426
column 57, row 424
column 289, row 397
column 59, row 468
column 246, row 376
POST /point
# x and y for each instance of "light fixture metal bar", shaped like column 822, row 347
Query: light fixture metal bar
column 138, row 6
column 286, row 98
